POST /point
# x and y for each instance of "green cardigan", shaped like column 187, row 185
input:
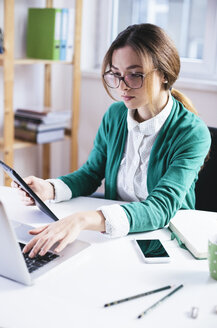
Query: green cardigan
column 175, row 160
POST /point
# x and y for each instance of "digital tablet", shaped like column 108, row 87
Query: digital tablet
column 38, row 202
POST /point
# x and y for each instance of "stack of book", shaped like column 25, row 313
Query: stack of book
column 50, row 33
column 40, row 127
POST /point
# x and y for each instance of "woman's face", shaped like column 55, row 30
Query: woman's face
column 126, row 61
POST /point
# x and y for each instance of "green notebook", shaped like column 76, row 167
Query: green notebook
column 43, row 33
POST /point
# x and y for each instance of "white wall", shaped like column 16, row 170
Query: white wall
column 205, row 102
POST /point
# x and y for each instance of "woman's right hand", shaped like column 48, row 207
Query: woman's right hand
column 43, row 189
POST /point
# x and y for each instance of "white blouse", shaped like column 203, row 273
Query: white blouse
column 132, row 174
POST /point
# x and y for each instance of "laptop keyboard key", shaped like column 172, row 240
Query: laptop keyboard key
column 37, row 261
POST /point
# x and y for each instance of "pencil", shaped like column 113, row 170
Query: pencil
column 158, row 302
column 137, row 296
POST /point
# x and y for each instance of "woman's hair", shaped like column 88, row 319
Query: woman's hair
column 156, row 50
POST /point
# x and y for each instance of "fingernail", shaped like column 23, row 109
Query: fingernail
column 42, row 253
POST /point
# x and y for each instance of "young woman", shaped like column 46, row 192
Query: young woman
column 149, row 147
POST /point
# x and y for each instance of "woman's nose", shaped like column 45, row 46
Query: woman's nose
column 123, row 85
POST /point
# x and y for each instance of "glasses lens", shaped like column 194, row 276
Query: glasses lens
column 134, row 81
column 111, row 80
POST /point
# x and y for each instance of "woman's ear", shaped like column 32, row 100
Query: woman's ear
column 165, row 79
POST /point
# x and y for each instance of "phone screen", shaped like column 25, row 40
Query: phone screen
column 152, row 248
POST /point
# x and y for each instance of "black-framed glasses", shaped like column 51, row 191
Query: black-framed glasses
column 132, row 80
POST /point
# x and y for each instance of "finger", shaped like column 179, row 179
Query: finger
column 38, row 246
column 26, row 198
column 14, row 184
column 44, row 240
column 38, row 230
column 45, row 243
column 28, row 201
column 24, row 194
column 49, row 243
column 33, row 241
column 29, row 245
column 29, row 180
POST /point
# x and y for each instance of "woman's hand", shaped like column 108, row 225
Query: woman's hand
column 42, row 188
column 63, row 232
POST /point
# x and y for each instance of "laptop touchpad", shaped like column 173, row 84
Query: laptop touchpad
column 22, row 231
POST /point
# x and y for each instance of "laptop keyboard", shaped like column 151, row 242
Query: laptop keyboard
column 37, row 261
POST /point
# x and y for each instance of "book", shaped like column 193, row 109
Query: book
column 43, row 33
column 39, row 137
column 38, row 126
column 46, row 116
column 70, row 34
column 192, row 229
column 63, row 32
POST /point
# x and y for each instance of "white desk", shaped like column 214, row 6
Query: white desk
column 73, row 294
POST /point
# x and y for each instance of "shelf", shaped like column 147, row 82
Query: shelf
column 21, row 144
column 7, row 143
column 18, row 144
column 30, row 61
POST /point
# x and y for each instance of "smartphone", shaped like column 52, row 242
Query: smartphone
column 38, row 202
column 152, row 250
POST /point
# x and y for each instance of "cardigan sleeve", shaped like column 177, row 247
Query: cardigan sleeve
column 88, row 178
column 175, row 187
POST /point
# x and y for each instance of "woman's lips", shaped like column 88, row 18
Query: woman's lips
column 127, row 98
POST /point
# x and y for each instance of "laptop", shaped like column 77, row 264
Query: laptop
column 19, row 267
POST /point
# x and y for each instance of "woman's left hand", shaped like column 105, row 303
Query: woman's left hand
column 63, row 232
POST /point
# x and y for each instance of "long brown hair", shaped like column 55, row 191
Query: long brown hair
column 156, row 50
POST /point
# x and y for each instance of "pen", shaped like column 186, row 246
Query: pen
column 137, row 296
column 158, row 302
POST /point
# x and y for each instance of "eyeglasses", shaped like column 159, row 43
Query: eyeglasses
column 132, row 80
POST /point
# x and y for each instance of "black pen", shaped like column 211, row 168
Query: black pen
column 137, row 296
column 158, row 302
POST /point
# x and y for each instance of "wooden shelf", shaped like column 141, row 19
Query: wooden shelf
column 30, row 61
column 21, row 144
column 18, row 144
column 7, row 143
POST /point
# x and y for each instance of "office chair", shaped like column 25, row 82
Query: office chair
column 206, row 186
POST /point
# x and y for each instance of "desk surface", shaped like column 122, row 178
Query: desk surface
column 73, row 294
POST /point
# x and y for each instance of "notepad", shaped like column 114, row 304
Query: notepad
column 193, row 229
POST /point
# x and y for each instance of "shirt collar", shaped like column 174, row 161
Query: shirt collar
column 154, row 124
